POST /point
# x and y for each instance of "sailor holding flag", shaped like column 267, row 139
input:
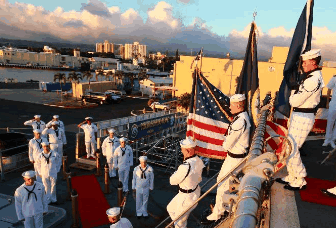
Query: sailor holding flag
column 236, row 144
column 303, row 101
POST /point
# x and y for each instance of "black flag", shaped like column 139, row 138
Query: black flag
column 248, row 81
column 301, row 43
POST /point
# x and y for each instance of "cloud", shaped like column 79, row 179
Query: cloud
column 95, row 22
column 184, row 1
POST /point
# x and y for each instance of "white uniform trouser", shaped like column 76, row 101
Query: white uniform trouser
column 112, row 170
column 50, row 187
column 91, row 148
column 299, row 128
column 142, row 201
column 38, row 178
column 331, row 129
column 123, row 177
column 223, row 187
column 35, row 221
column 179, row 204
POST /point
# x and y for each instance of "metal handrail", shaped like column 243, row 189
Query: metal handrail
column 1, row 151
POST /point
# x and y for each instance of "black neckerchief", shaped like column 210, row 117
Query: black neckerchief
column 123, row 151
column 308, row 75
column 56, row 131
column 38, row 124
column 31, row 192
column 47, row 158
column 190, row 157
column 39, row 143
column 143, row 175
column 236, row 116
column 111, row 141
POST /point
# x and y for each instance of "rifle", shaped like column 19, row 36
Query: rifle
column 330, row 154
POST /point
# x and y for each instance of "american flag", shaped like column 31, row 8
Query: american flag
column 208, row 118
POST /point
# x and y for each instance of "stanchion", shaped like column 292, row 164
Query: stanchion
column 107, row 180
column 99, row 172
column 120, row 193
column 65, row 166
column 75, row 215
column 69, row 186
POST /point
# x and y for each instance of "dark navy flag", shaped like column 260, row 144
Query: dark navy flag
column 208, row 118
column 301, row 42
column 248, row 81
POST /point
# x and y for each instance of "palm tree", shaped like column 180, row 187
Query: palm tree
column 99, row 73
column 88, row 76
column 108, row 75
column 74, row 77
column 61, row 78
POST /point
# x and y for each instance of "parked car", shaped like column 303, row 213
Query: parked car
column 121, row 94
column 99, row 98
column 116, row 98
column 157, row 105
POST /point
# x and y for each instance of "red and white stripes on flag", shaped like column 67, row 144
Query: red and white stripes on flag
column 208, row 134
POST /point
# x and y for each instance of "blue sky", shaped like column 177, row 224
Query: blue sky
column 222, row 16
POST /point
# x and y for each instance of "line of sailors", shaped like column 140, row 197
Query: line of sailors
column 46, row 152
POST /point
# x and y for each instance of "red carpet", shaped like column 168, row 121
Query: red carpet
column 92, row 204
column 313, row 192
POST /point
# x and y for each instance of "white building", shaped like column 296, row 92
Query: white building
column 105, row 63
column 135, row 49
column 158, row 86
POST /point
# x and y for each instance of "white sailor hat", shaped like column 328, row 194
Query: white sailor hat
column 143, row 158
column 37, row 131
column 29, row 174
column 37, row 116
column 237, row 98
column 55, row 123
column 88, row 118
column 311, row 54
column 187, row 143
column 123, row 139
column 55, row 116
column 111, row 130
column 112, row 212
column 45, row 143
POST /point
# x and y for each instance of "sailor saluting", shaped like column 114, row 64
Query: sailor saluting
column 187, row 176
column 36, row 123
column 304, row 101
column 236, row 144
column 30, row 201
column 114, row 217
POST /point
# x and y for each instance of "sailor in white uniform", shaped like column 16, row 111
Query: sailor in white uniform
column 123, row 160
column 30, row 201
column 187, row 176
column 109, row 145
column 57, row 138
column 304, row 101
column 36, row 123
column 142, row 183
column 56, row 118
column 90, row 131
column 48, row 167
column 34, row 150
column 236, row 144
column 113, row 215
column 330, row 136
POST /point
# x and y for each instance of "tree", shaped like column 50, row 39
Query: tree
column 88, row 76
column 108, row 75
column 99, row 73
column 184, row 100
column 74, row 77
column 61, row 77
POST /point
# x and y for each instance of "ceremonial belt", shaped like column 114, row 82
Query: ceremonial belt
column 305, row 110
column 232, row 155
column 188, row 190
column 31, row 192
